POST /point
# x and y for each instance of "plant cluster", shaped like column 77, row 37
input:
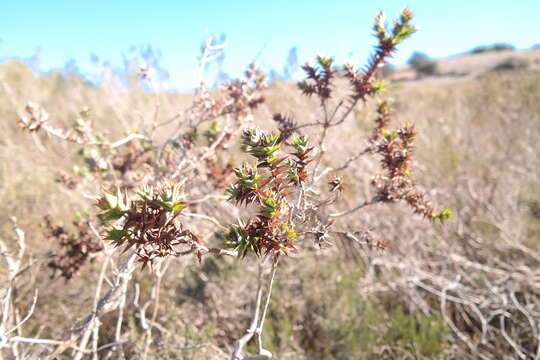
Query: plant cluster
column 396, row 149
column 268, row 184
column 78, row 249
column 158, row 183
column 149, row 224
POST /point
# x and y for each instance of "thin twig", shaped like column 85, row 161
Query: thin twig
column 160, row 272
column 258, row 332
column 344, row 166
column 356, row 208
column 28, row 315
column 237, row 353
column 95, row 331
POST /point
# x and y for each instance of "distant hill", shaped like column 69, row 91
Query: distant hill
column 473, row 64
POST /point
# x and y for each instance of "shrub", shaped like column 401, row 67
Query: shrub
column 512, row 63
column 493, row 48
column 157, row 196
column 387, row 71
column 423, row 65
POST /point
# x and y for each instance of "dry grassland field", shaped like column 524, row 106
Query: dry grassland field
column 143, row 224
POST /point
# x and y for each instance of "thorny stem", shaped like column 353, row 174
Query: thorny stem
column 379, row 58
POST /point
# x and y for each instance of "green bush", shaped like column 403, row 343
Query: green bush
column 333, row 321
column 421, row 333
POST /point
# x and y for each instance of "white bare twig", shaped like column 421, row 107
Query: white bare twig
column 257, row 322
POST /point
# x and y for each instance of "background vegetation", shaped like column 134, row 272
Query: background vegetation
column 436, row 292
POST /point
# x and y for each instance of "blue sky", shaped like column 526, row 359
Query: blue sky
column 64, row 30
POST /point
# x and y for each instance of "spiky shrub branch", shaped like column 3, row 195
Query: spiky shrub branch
column 158, row 185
